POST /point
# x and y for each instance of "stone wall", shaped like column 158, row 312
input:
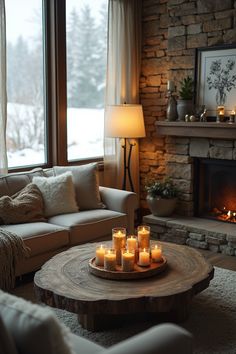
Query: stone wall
column 172, row 30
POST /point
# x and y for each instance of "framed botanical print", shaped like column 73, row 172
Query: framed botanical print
column 215, row 78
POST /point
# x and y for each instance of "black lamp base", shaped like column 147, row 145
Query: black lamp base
column 127, row 165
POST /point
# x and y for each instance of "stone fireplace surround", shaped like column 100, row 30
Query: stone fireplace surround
column 185, row 228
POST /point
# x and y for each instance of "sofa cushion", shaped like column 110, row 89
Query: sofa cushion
column 86, row 184
column 40, row 237
column 24, row 206
column 35, row 329
column 58, row 194
column 90, row 225
column 82, row 345
column 7, row 345
column 14, row 182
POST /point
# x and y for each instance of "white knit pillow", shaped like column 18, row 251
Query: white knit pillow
column 58, row 194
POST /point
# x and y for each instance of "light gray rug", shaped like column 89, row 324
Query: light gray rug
column 212, row 318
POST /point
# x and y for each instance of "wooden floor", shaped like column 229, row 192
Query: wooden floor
column 220, row 260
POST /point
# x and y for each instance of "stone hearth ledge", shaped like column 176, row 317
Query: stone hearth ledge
column 196, row 232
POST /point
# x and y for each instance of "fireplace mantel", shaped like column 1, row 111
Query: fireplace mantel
column 197, row 129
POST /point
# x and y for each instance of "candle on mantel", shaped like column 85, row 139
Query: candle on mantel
column 156, row 253
column 144, row 257
column 100, row 252
column 110, row 260
column 232, row 117
column 127, row 260
column 170, row 86
column 220, row 113
column 144, row 236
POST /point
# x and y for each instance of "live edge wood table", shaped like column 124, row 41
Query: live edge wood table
column 66, row 283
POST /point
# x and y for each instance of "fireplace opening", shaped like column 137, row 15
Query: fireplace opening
column 215, row 189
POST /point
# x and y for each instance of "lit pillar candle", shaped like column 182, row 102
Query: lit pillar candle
column 110, row 260
column 100, row 251
column 144, row 236
column 232, row 117
column 118, row 240
column 144, row 257
column 131, row 242
column 156, row 253
column 127, row 260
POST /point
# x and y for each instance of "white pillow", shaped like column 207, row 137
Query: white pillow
column 86, row 182
column 58, row 194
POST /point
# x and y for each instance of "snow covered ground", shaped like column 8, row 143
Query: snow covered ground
column 85, row 129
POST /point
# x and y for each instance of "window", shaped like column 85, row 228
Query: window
column 25, row 83
column 86, row 40
column 47, row 40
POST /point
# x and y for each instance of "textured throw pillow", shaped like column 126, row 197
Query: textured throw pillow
column 35, row 329
column 85, row 178
column 58, row 194
column 25, row 206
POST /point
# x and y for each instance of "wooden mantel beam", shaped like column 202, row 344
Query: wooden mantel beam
column 197, row 129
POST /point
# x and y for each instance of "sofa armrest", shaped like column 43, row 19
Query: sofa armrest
column 122, row 201
column 162, row 339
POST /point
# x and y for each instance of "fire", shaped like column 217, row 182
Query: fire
column 224, row 214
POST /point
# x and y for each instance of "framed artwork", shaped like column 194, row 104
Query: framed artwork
column 215, row 79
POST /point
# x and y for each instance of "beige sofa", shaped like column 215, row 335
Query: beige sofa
column 28, row 328
column 100, row 209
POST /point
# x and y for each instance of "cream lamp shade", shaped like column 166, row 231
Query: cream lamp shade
column 125, row 121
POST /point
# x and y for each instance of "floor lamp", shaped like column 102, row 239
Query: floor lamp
column 125, row 122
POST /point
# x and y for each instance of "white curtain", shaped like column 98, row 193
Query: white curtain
column 3, row 93
column 123, row 70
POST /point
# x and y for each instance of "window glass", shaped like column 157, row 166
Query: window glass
column 86, row 39
column 25, row 83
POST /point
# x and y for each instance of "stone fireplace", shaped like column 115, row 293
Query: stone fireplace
column 215, row 189
column 204, row 169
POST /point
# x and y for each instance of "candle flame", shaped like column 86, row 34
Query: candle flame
column 229, row 213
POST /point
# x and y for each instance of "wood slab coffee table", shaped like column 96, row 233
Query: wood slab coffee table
column 66, row 283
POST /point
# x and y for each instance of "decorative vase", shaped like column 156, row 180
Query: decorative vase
column 171, row 112
column 161, row 206
column 184, row 107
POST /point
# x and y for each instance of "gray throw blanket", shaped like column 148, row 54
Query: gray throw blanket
column 12, row 249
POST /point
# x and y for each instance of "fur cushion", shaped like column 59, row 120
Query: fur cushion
column 58, row 194
column 86, row 182
column 24, row 206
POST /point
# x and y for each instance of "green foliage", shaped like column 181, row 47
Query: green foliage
column 186, row 88
column 163, row 189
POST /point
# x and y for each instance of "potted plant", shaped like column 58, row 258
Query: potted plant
column 185, row 102
column 162, row 197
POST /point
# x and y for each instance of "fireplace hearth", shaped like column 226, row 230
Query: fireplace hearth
column 215, row 189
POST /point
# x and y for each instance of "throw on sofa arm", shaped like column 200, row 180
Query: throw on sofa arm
column 122, row 201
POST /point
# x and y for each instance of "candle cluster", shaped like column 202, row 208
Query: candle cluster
column 127, row 250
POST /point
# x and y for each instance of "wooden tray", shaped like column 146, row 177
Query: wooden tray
column 138, row 273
